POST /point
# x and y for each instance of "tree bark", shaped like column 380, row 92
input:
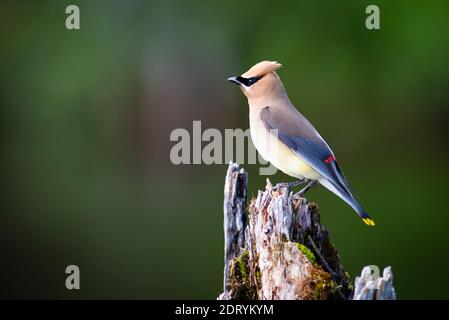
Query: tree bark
column 277, row 249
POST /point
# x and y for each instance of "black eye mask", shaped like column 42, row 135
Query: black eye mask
column 248, row 82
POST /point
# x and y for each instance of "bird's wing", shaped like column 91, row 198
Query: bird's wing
column 298, row 134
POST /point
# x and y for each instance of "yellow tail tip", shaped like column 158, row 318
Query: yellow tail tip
column 369, row 222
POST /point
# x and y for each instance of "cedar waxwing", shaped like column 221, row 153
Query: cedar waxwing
column 287, row 139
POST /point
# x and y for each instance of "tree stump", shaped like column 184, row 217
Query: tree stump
column 277, row 249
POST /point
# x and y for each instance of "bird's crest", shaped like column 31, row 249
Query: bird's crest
column 262, row 68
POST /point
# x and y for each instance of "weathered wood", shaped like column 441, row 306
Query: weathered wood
column 234, row 215
column 280, row 250
column 370, row 287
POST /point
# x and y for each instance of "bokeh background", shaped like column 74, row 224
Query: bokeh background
column 86, row 118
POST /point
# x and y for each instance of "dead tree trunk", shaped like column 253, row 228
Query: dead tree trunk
column 277, row 249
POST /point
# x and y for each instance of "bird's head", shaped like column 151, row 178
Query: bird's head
column 260, row 80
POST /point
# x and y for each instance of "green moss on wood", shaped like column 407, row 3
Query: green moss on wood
column 240, row 283
column 320, row 285
column 259, row 278
column 242, row 265
column 306, row 251
column 348, row 279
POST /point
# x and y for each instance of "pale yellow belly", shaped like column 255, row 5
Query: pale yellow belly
column 282, row 157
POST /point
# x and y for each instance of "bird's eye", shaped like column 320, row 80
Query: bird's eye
column 252, row 80
column 247, row 82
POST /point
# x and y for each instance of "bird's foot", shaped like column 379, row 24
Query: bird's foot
column 309, row 185
column 269, row 187
column 284, row 184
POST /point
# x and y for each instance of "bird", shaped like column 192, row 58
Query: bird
column 287, row 139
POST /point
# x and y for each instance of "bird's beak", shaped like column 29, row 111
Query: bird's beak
column 234, row 80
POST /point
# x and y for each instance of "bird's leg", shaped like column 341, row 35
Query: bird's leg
column 296, row 183
column 309, row 185
column 270, row 187
column 289, row 184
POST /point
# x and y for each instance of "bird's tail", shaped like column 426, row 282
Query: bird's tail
column 347, row 196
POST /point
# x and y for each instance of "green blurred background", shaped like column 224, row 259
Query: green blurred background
column 86, row 117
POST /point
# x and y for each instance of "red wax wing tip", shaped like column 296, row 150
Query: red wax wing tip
column 328, row 160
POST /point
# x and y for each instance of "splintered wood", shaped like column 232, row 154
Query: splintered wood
column 277, row 249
